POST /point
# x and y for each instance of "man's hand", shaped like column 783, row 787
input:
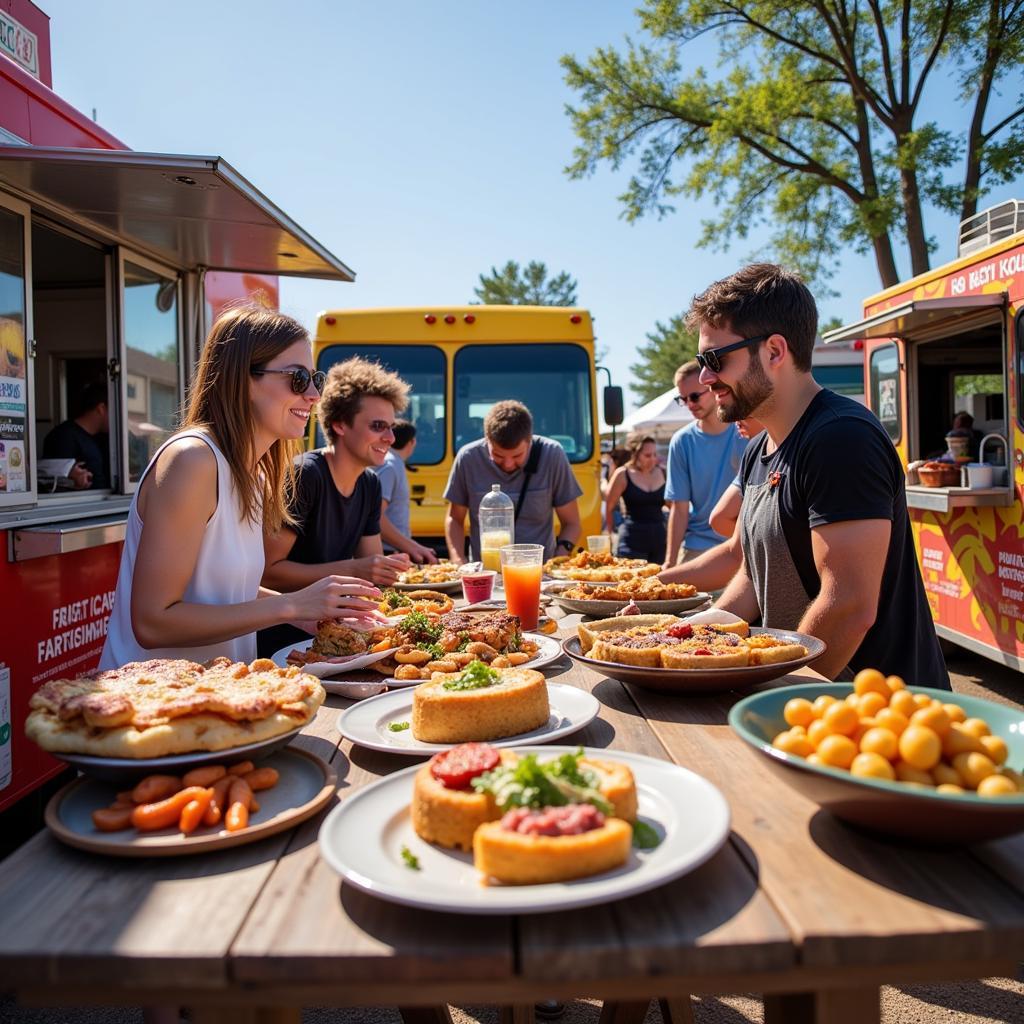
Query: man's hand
column 80, row 476
column 421, row 554
column 380, row 569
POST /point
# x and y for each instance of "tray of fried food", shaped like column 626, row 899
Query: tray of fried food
column 401, row 602
column 645, row 594
column 598, row 568
column 429, row 643
column 443, row 575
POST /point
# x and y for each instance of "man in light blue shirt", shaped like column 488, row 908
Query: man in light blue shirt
column 703, row 459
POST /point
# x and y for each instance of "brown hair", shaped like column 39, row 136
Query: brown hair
column 508, row 424
column 243, row 339
column 689, row 367
column 635, row 444
column 762, row 298
column 347, row 384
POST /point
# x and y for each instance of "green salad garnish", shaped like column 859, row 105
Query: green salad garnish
column 436, row 651
column 531, row 783
column 411, row 860
column 419, row 629
column 398, row 726
column 645, row 837
column 393, row 599
column 475, row 676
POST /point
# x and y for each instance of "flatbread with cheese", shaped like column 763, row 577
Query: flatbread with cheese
column 162, row 707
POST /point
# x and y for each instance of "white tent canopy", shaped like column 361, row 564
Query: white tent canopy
column 661, row 417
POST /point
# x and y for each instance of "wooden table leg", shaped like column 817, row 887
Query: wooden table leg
column 425, row 1014
column 676, row 1011
column 520, row 1013
column 621, row 1012
column 832, row 1006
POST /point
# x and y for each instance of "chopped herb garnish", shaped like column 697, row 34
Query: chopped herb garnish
column 645, row 837
column 411, row 860
column 419, row 628
column 436, row 651
column 475, row 676
column 398, row 726
column 530, row 783
column 393, row 599
column 464, row 642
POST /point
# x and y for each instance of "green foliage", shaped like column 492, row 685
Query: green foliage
column 808, row 124
column 667, row 348
column 525, row 286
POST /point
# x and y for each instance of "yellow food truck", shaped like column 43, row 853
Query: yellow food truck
column 948, row 342
column 460, row 360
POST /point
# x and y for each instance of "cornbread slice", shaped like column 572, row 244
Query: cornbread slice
column 517, row 859
column 590, row 632
column 767, row 650
column 617, row 786
column 715, row 657
column 517, row 702
column 448, row 817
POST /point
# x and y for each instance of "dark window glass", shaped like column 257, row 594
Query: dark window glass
column 553, row 381
column 845, row 379
column 422, row 367
column 884, row 375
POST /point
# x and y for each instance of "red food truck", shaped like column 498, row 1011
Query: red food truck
column 947, row 343
column 112, row 265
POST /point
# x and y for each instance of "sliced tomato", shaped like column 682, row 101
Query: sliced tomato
column 683, row 631
column 456, row 768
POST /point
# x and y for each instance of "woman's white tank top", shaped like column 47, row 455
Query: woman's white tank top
column 228, row 571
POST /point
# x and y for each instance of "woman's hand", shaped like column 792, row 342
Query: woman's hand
column 383, row 569
column 352, row 600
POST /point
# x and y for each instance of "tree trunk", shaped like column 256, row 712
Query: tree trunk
column 885, row 261
column 916, row 240
column 976, row 136
column 880, row 240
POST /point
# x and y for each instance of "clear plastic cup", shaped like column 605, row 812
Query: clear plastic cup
column 521, row 567
column 599, row 544
column 478, row 586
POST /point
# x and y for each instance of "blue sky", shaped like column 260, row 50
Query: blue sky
column 421, row 142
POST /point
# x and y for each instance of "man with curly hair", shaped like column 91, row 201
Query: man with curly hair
column 336, row 507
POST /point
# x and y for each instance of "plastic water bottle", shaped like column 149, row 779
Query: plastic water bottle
column 497, row 526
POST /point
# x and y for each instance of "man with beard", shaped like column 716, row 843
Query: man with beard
column 703, row 458
column 824, row 531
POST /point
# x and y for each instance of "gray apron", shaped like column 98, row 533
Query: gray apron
column 780, row 592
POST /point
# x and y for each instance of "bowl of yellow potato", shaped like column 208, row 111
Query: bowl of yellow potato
column 905, row 761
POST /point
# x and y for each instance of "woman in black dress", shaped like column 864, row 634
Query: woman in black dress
column 640, row 483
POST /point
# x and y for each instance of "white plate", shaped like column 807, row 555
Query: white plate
column 446, row 586
column 367, row 723
column 689, row 813
column 324, row 669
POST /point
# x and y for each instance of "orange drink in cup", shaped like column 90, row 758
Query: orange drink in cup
column 521, row 566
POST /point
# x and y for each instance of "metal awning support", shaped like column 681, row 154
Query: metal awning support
column 185, row 211
column 911, row 317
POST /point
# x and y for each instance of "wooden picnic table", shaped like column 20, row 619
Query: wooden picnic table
column 796, row 905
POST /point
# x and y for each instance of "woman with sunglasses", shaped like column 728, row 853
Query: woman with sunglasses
column 334, row 524
column 189, row 582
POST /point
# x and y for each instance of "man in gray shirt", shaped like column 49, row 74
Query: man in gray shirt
column 503, row 457
column 394, row 486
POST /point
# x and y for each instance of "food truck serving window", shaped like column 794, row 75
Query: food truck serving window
column 884, row 381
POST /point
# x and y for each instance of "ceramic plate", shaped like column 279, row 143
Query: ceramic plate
column 305, row 786
column 604, row 609
column 689, row 680
column 368, row 723
column 123, row 770
column 689, row 814
column 326, row 669
column 446, row 586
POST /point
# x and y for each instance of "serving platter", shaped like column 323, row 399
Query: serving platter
column 690, row 816
column 305, row 786
column 601, row 607
column 688, row 680
column 368, row 723
column 325, row 669
column 123, row 770
column 445, row 585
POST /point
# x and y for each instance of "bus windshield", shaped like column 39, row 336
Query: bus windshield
column 423, row 368
column 552, row 380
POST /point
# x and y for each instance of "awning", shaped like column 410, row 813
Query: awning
column 912, row 317
column 187, row 211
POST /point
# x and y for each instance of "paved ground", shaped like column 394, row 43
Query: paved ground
column 990, row 1001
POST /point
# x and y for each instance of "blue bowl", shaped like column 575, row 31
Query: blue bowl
column 889, row 808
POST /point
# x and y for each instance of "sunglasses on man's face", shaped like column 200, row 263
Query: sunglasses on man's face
column 712, row 359
column 301, row 378
column 381, row 426
column 693, row 396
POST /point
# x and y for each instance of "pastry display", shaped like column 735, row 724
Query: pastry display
column 161, row 707
column 479, row 703
column 647, row 588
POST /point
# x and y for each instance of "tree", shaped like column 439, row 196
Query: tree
column 667, row 349
column 813, row 123
column 529, row 286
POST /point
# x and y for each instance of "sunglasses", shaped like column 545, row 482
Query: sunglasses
column 693, row 396
column 381, row 426
column 712, row 359
column 301, row 378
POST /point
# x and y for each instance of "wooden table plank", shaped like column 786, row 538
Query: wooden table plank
column 74, row 918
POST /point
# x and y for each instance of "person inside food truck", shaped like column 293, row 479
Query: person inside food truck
column 334, row 514
column 824, row 532
column 189, row 581
column 84, row 439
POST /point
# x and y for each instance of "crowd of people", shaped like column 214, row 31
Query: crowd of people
column 786, row 497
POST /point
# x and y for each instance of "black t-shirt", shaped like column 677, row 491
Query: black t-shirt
column 328, row 526
column 68, row 440
column 836, row 465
